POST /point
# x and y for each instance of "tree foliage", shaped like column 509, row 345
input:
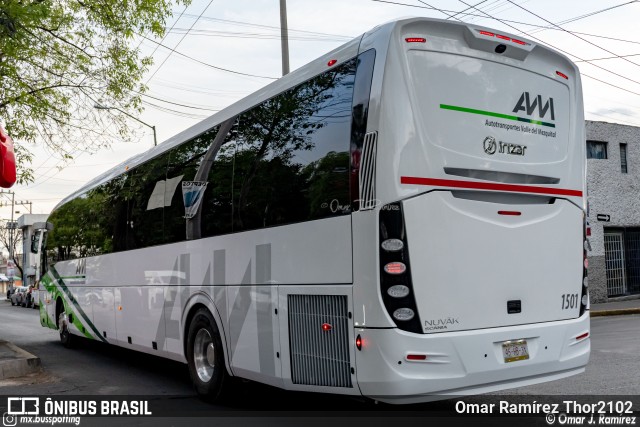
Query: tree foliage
column 59, row 58
column 12, row 237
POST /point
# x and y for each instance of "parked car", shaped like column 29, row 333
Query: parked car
column 10, row 292
column 35, row 295
column 19, row 295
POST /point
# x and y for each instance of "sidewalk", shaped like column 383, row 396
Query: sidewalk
column 615, row 308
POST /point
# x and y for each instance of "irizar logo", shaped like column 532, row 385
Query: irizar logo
column 529, row 105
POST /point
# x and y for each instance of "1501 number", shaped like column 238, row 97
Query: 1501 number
column 569, row 301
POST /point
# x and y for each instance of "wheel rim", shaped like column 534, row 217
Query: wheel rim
column 204, row 355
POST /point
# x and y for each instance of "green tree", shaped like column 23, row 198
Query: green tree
column 59, row 58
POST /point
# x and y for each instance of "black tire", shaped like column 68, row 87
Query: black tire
column 12, row 303
column 66, row 338
column 210, row 380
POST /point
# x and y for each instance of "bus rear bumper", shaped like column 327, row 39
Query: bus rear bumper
column 467, row 362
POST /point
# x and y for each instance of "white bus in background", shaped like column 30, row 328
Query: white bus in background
column 402, row 218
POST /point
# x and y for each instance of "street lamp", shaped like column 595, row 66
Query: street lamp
column 103, row 107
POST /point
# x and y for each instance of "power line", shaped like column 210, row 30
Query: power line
column 577, row 36
column 609, row 57
column 249, row 24
column 587, row 15
column 165, row 34
column 474, row 6
column 209, row 65
column 555, row 47
column 178, row 104
column 441, row 11
column 178, row 44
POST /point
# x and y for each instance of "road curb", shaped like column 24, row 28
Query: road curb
column 615, row 312
column 15, row 362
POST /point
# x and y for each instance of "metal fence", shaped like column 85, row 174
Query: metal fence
column 614, row 261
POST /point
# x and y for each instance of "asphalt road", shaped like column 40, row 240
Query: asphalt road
column 94, row 368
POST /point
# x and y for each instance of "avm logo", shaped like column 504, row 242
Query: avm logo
column 529, row 105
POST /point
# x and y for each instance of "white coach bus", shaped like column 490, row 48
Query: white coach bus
column 401, row 219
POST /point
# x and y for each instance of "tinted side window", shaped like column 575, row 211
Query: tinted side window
column 85, row 226
column 212, row 210
column 291, row 161
column 145, row 203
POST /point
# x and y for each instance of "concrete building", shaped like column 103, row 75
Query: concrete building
column 25, row 223
column 613, row 182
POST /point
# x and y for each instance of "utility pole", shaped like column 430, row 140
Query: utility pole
column 24, row 203
column 284, row 35
column 10, row 227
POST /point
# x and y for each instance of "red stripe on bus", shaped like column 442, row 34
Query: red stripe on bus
column 488, row 186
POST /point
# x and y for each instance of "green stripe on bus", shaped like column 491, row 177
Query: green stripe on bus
column 498, row 115
column 75, row 304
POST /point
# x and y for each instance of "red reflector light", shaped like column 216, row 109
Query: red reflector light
column 563, row 75
column 395, row 268
column 416, row 357
column 326, row 327
column 586, row 263
column 588, row 231
column 502, row 37
column 583, row 336
column 359, row 342
column 415, row 40
column 512, row 213
column 332, row 62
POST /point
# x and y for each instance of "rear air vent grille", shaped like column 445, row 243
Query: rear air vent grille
column 367, row 176
column 319, row 340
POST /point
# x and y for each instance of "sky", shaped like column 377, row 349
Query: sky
column 243, row 36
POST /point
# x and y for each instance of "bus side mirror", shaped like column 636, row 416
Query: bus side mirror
column 7, row 160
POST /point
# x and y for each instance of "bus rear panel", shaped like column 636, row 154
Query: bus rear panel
column 480, row 176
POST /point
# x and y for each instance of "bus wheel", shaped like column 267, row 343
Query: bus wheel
column 205, row 357
column 63, row 325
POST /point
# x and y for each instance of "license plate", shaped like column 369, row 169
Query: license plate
column 513, row 351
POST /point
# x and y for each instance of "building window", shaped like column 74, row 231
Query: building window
column 623, row 158
column 596, row 150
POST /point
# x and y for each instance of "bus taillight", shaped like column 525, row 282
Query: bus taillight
column 395, row 270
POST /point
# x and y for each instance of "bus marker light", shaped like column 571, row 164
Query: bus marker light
column 403, row 314
column 563, row 75
column 359, row 342
column 416, row 357
column 487, row 33
column 586, row 263
column 585, row 299
column 332, row 62
column 326, row 327
column 119, row 308
column 395, row 268
column 398, row 291
column 583, row 336
column 585, row 282
column 415, row 40
column 392, row 245
column 512, row 213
